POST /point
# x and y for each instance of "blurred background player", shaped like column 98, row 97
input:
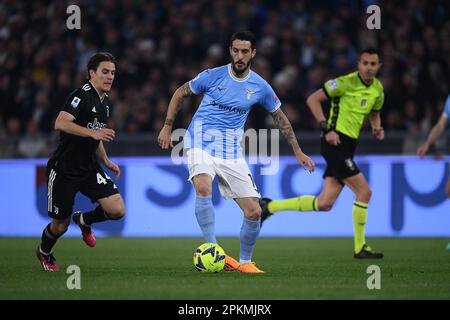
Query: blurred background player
column 353, row 97
column 214, row 136
column 74, row 166
column 437, row 130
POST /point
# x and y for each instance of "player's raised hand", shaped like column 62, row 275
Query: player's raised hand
column 378, row 133
column 165, row 138
column 422, row 150
column 104, row 134
column 113, row 167
column 333, row 138
column 304, row 161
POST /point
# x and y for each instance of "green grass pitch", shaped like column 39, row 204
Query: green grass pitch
column 162, row 268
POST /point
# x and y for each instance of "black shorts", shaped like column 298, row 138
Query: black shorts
column 61, row 191
column 339, row 159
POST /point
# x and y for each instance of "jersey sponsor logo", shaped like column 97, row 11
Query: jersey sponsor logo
column 75, row 102
column 228, row 108
column 86, row 87
column 96, row 125
column 332, row 84
column 249, row 93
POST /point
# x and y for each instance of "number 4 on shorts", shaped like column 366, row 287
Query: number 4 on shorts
column 100, row 179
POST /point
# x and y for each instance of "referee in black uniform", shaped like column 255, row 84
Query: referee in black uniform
column 74, row 167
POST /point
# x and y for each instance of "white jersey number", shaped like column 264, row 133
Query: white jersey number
column 100, row 179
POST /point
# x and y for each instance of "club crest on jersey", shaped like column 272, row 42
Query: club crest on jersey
column 75, row 102
column 363, row 102
column 249, row 93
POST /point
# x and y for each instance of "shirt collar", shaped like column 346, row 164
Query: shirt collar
column 100, row 97
column 230, row 72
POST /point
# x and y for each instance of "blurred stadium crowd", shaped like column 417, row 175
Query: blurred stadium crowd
column 161, row 44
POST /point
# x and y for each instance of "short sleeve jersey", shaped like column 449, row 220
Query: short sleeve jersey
column 75, row 155
column 218, row 124
column 351, row 101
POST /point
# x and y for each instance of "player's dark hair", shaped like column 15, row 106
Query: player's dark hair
column 97, row 58
column 370, row 50
column 244, row 35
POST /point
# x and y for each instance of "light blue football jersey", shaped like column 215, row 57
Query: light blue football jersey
column 447, row 108
column 218, row 125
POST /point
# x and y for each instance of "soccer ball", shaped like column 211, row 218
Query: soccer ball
column 209, row 257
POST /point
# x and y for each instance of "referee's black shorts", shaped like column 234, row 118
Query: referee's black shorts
column 339, row 159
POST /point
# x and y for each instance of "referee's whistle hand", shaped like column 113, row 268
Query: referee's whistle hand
column 378, row 133
column 333, row 138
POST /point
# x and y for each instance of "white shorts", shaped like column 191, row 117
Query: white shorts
column 234, row 177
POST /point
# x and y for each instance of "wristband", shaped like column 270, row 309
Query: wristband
column 323, row 127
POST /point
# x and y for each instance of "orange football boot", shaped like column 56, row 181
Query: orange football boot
column 249, row 267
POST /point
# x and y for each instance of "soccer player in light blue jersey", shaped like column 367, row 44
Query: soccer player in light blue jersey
column 214, row 137
column 437, row 130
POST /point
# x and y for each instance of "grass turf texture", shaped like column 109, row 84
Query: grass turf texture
column 162, row 268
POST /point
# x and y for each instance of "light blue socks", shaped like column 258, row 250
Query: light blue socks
column 204, row 212
column 249, row 233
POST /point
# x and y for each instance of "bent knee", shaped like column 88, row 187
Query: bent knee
column 117, row 212
column 327, row 206
column 364, row 195
column 324, row 204
column 59, row 227
column 203, row 190
column 253, row 213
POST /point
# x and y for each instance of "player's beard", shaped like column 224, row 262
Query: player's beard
column 239, row 72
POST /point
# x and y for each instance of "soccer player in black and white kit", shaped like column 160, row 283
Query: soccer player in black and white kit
column 74, row 167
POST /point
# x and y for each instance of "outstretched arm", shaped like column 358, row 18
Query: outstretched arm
column 432, row 137
column 283, row 123
column 164, row 138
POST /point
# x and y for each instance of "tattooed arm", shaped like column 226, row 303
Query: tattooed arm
column 176, row 102
column 283, row 123
column 164, row 138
